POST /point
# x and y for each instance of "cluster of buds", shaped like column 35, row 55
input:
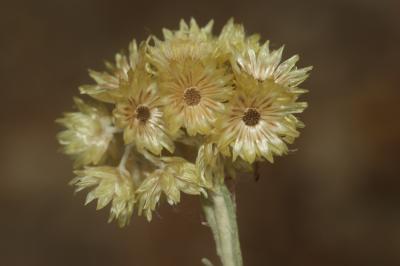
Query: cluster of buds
column 180, row 114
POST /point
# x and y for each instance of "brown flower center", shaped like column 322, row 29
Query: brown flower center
column 142, row 113
column 191, row 96
column 251, row 117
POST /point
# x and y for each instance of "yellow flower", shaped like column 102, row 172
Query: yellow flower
column 194, row 95
column 189, row 42
column 89, row 133
column 108, row 186
column 194, row 86
column 141, row 117
column 233, row 38
column 259, row 121
column 174, row 175
column 263, row 64
column 108, row 87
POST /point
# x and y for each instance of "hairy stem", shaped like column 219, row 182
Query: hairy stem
column 220, row 212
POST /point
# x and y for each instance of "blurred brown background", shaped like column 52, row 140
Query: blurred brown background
column 336, row 201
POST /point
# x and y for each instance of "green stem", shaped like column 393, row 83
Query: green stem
column 220, row 211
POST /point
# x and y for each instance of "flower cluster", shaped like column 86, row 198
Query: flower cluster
column 179, row 114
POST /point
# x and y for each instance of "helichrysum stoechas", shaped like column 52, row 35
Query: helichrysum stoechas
column 228, row 99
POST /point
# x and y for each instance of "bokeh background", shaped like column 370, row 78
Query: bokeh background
column 335, row 202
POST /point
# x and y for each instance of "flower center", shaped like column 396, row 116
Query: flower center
column 191, row 96
column 142, row 113
column 251, row 117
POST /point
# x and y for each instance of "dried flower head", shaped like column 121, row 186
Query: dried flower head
column 259, row 121
column 194, row 94
column 263, row 64
column 188, row 110
column 232, row 40
column 108, row 186
column 89, row 133
column 190, row 42
column 109, row 84
column 174, row 175
column 141, row 117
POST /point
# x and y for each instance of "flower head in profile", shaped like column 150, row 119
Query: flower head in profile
column 173, row 176
column 190, row 42
column 108, row 186
column 89, row 133
column 263, row 64
column 260, row 121
column 233, row 39
column 109, row 84
column 141, row 117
